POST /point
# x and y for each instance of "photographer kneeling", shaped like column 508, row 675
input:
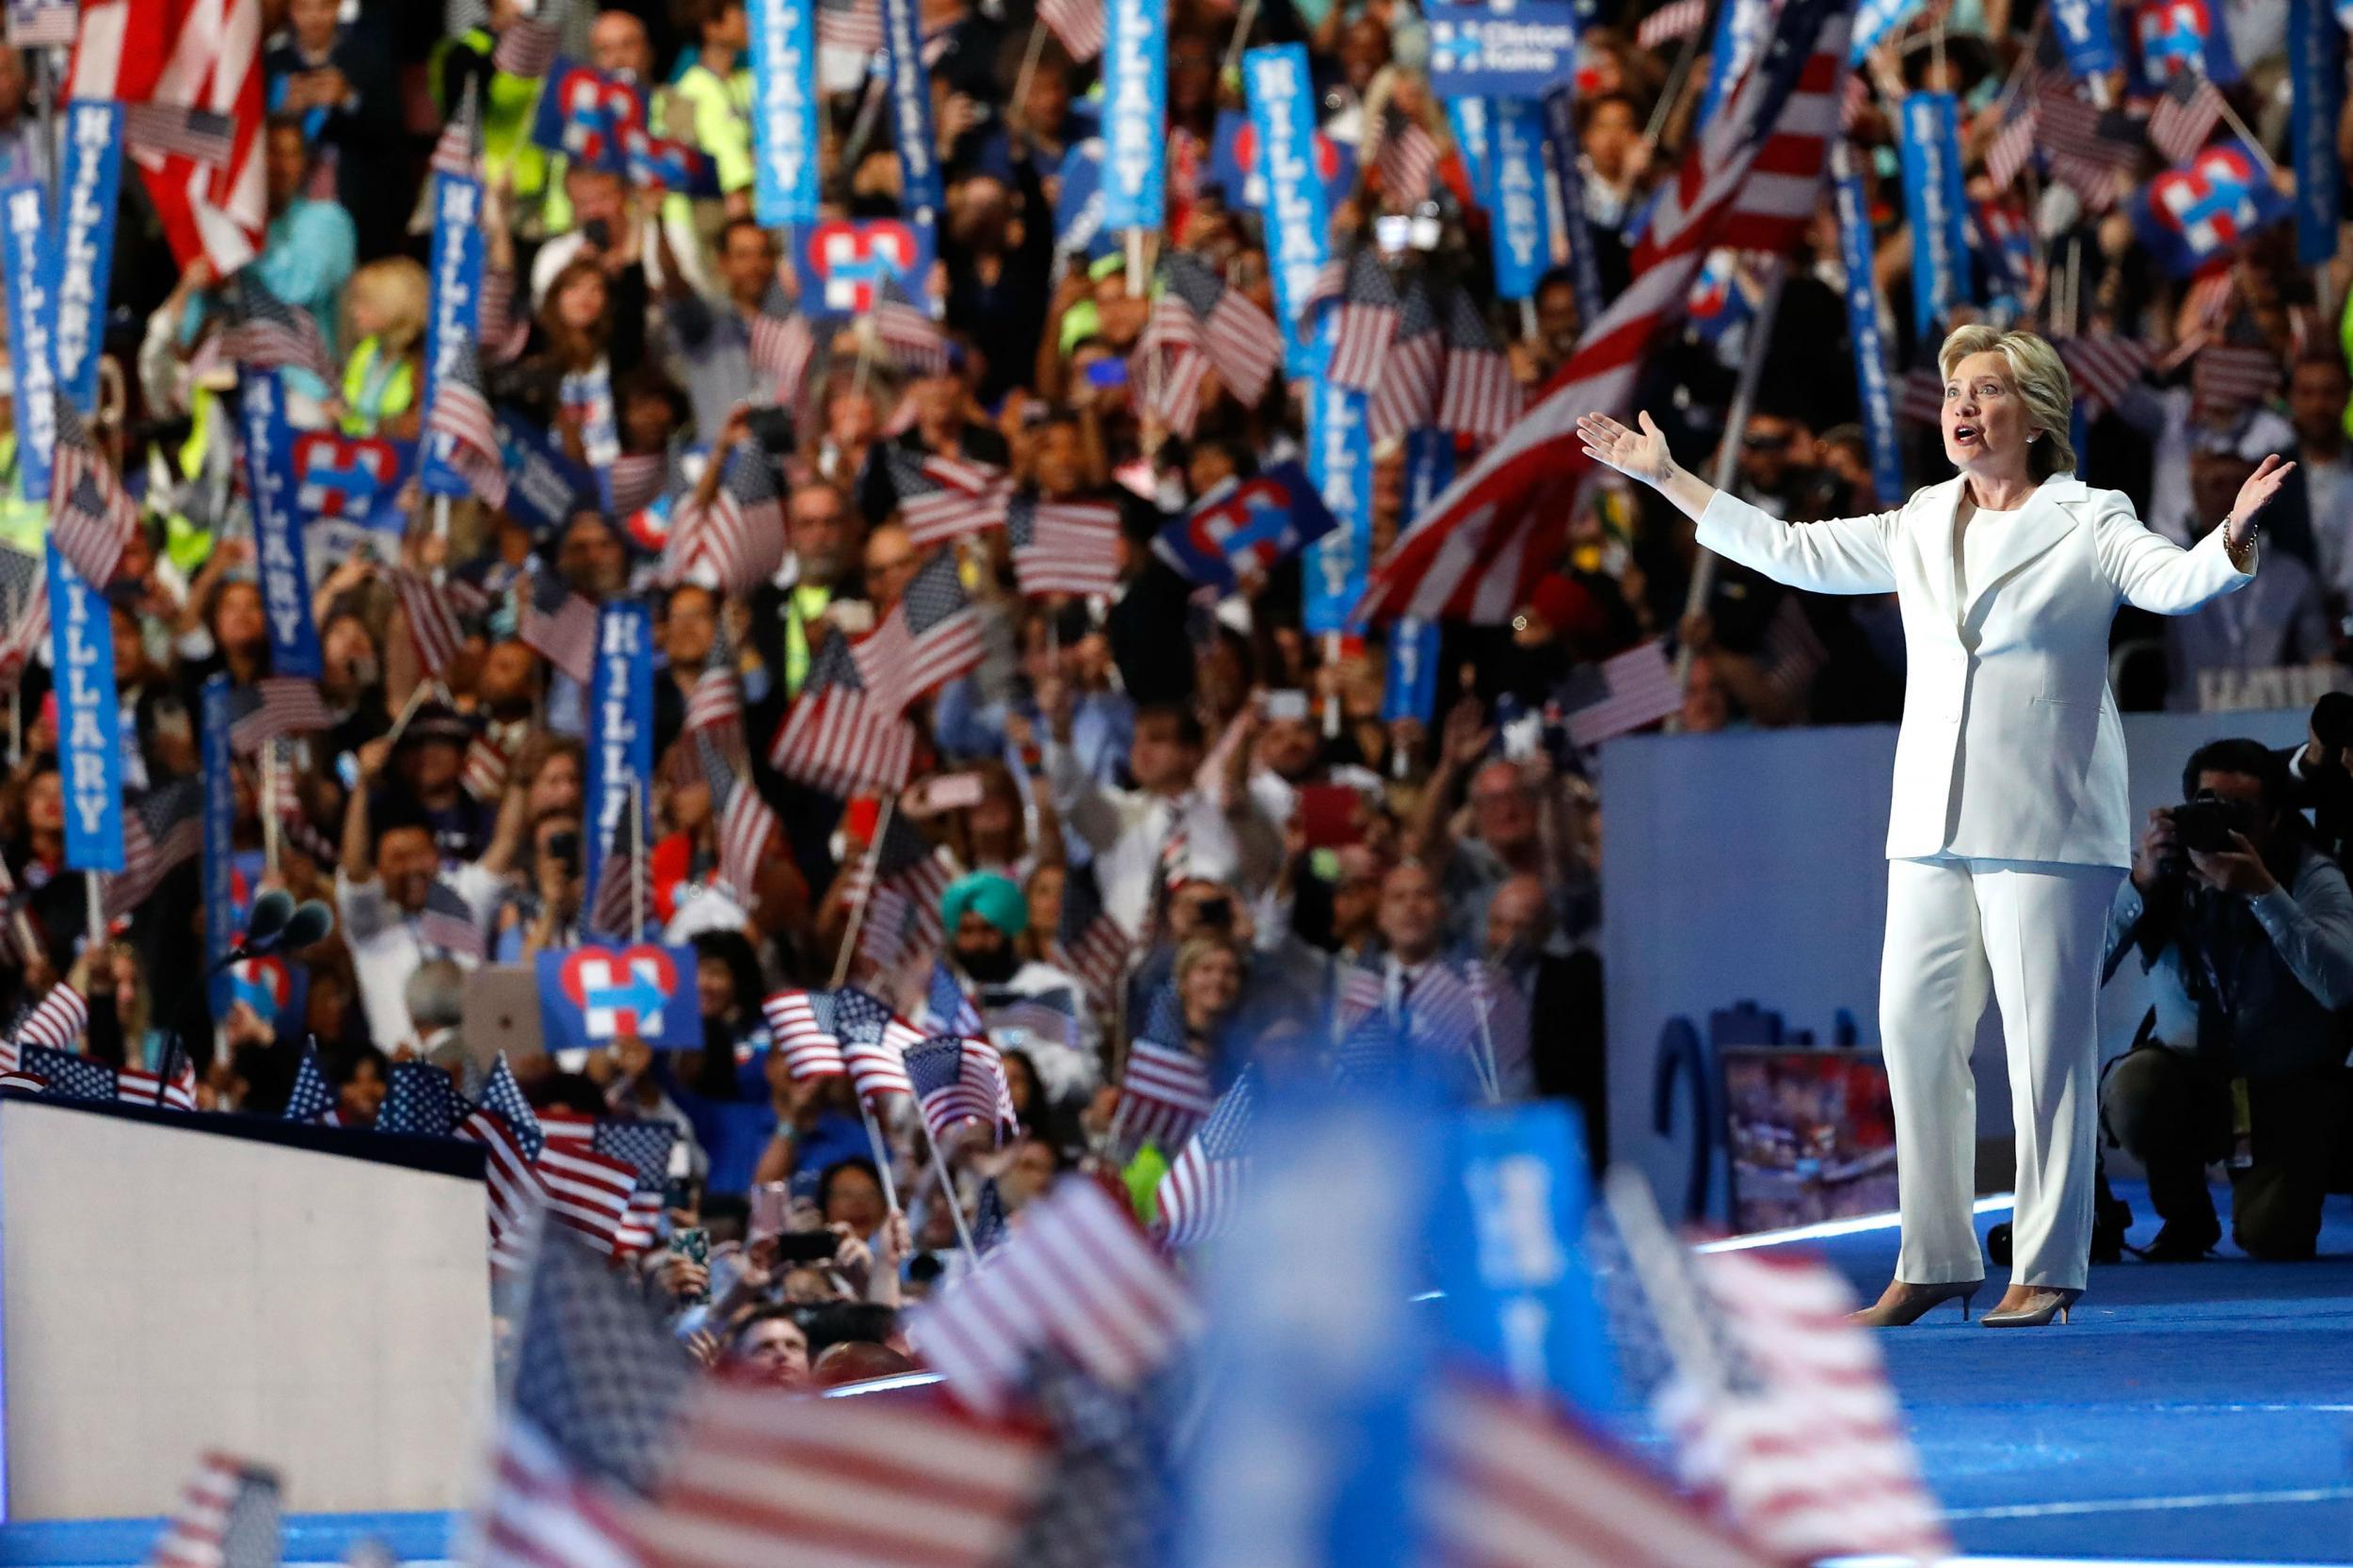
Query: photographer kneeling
column 2246, row 931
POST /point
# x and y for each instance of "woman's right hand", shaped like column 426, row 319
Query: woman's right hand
column 1636, row 454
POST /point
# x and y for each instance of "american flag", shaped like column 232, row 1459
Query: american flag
column 948, row 1007
column 24, row 607
column 747, row 825
column 590, row 1421
column 907, row 334
column 905, row 862
column 801, row 1024
column 527, row 47
column 267, row 333
column 855, row 24
column 1198, row 1194
column 172, row 1089
column 1078, row 1277
column 586, row 1191
column 1676, row 19
column 1628, row 692
column 1089, row 941
column 515, row 1193
column 957, row 1080
column 2105, row 367
column 1079, row 25
column 1749, row 184
column 636, row 480
column 887, row 931
column 172, row 130
column 624, row 874
column 1482, row 398
column 313, row 1100
column 436, row 612
column 1064, row 546
column 485, row 768
column 1512, row 1483
column 89, row 516
column 782, row 346
column 421, row 1102
column 1365, row 318
column 764, row 1479
column 447, row 921
column 839, row 739
column 461, row 411
column 1168, row 367
column 204, row 57
column 560, row 624
column 227, row 1518
column 945, row 498
column 1039, row 1015
column 1165, row 1096
column 162, row 830
column 645, row 1147
column 504, row 1097
column 68, row 1074
column 874, row 1042
column 714, row 705
column 2087, row 145
column 739, row 539
column 56, row 1021
column 990, row 1226
column 1407, row 161
column 43, row 25
column 273, row 706
column 1240, row 340
column 458, row 150
column 2233, row 375
column 931, row 636
column 1920, row 395
column 2185, row 116
column 2206, row 303
column 1406, row 396
column 2012, row 146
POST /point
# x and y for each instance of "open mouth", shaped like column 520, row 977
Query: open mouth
column 1964, row 433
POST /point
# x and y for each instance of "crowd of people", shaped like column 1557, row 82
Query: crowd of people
column 1243, row 802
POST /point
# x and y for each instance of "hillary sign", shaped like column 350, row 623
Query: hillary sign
column 1506, row 51
column 26, row 254
column 784, row 111
column 843, row 264
column 1517, row 233
column 89, row 725
column 592, row 996
column 1933, row 197
column 85, row 244
column 293, row 641
column 920, row 187
column 1339, row 456
column 456, row 316
column 1283, row 116
column 1136, row 114
column 620, row 725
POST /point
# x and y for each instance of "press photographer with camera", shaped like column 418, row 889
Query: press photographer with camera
column 2246, row 931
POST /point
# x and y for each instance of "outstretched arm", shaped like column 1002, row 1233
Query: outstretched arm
column 2152, row 572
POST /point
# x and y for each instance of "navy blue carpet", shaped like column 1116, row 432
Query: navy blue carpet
column 2191, row 1411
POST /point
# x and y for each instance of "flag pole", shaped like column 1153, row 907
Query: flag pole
column 1680, row 71
column 1244, row 22
column 1728, row 453
column 637, row 859
column 865, row 891
column 956, row 1205
column 1490, row 1075
column 882, row 1154
column 97, row 916
column 2238, row 129
column 1029, row 55
column 1332, row 696
column 273, row 833
column 1664, row 1273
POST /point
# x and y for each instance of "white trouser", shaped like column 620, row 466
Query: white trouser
column 2033, row 931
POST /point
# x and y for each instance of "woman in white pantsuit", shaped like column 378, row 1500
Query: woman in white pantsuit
column 2009, row 830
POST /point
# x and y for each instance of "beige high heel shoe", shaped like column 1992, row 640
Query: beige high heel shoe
column 2030, row 1306
column 1902, row 1304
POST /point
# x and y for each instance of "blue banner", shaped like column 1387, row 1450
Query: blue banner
column 294, row 639
column 1933, row 203
column 1411, row 689
column 1079, row 205
column 1872, row 387
column 590, row 995
column 1470, row 119
column 1507, row 1234
column 1428, row 469
column 89, row 723
column 2084, row 36
column 582, row 113
column 1873, row 20
column 842, row 265
column 1560, row 129
column 455, row 319
column 1742, row 26
column 1339, row 460
column 2316, row 73
column 89, row 186
column 1298, row 223
column 355, row 481
column 922, row 189
column 543, row 485
column 2205, row 209
column 1518, row 217
column 2181, row 38
column 220, row 846
column 1518, row 49
column 620, row 727
column 1136, row 114
column 26, row 251
column 784, row 111
column 1245, row 527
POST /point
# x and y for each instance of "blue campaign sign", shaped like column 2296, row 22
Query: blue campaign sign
column 2084, row 36
column 620, row 725
column 784, row 112
column 1507, row 1231
column 1245, row 526
column 26, row 253
column 1872, row 386
column 1298, row 220
column 1410, row 690
column 89, row 723
column 88, row 189
column 544, row 487
column 2198, row 212
column 1470, row 119
column 2175, row 37
column 1873, row 20
column 2316, row 71
column 1429, row 468
column 583, row 112
column 1742, row 26
column 455, row 319
column 220, row 845
column 294, row 639
column 1136, row 114
column 1560, row 130
column 1079, row 205
column 353, row 479
column 921, row 188
column 592, row 996
column 1520, row 50
column 1339, row 460
column 1519, row 233
column 842, row 265
column 1933, row 202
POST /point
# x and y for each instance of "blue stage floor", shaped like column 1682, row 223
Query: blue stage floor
column 2198, row 1412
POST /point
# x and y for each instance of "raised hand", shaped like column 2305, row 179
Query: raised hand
column 2257, row 492
column 1636, row 454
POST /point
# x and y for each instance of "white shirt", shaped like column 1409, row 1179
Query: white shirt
column 1980, row 536
column 559, row 252
column 386, row 948
column 1127, row 828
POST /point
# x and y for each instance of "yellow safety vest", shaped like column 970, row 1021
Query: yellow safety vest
column 373, row 394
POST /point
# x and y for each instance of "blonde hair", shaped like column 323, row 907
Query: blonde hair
column 2040, row 376
column 396, row 289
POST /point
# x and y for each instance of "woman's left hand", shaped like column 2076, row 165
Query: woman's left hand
column 2255, row 494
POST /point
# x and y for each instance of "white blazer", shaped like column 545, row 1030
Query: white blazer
column 2010, row 748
